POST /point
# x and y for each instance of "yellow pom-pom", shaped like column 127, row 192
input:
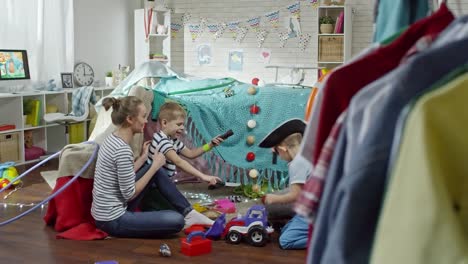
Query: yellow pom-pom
column 252, row 90
column 251, row 140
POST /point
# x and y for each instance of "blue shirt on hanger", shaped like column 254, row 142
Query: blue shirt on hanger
column 359, row 169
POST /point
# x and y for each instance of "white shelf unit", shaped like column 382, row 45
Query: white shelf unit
column 156, row 43
column 328, row 55
column 51, row 137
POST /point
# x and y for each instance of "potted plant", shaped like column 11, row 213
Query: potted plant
column 109, row 79
column 326, row 24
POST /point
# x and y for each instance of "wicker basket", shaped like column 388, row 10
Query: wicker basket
column 9, row 147
column 330, row 49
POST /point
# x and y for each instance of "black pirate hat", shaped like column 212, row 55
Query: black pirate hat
column 282, row 131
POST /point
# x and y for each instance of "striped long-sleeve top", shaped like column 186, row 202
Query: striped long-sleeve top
column 114, row 180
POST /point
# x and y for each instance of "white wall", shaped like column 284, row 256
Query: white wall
column 104, row 34
column 227, row 11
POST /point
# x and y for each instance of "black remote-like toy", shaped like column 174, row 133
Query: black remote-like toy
column 227, row 134
column 221, row 184
column 215, row 186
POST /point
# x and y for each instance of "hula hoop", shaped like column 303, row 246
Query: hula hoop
column 310, row 103
column 78, row 174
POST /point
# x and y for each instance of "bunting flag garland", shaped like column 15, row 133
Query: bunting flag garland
column 175, row 28
column 186, row 18
column 283, row 37
column 295, row 10
column 261, row 36
column 203, row 22
column 254, row 23
column 194, row 31
column 221, row 29
column 241, row 33
column 273, row 17
column 315, row 3
column 233, row 26
column 304, row 40
column 213, row 29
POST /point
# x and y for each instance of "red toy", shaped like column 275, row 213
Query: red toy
column 195, row 244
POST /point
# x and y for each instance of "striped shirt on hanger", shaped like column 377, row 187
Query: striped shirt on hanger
column 163, row 144
column 114, row 179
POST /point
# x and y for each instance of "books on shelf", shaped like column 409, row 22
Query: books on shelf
column 33, row 118
column 339, row 23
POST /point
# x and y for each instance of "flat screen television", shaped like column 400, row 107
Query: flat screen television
column 13, row 65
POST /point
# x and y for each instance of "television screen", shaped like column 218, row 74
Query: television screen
column 14, row 65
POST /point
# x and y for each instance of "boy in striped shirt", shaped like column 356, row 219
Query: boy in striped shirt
column 172, row 119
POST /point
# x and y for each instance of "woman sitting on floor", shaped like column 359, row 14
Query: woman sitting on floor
column 118, row 189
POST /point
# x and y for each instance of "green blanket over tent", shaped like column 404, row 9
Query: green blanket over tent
column 217, row 105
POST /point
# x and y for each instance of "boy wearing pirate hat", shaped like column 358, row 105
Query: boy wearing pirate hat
column 285, row 141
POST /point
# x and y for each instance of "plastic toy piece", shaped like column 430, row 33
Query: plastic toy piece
column 216, row 230
column 164, row 250
column 195, row 244
column 196, row 228
column 225, row 206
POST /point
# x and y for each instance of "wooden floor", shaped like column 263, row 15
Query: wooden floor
column 28, row 240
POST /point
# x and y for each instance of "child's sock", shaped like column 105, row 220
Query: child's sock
column 195, row 217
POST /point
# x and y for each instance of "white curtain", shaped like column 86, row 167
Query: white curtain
column 45, row 29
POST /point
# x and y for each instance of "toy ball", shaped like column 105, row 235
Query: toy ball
column 255, row 81
column 253, row 173
column 255, row 188
column 250, row 140
column 251, row 90
column 254, row 109
column 261, row 83
column 251, row 123
column 250, row 157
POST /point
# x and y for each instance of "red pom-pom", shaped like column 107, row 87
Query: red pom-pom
column 250, row 157
column 254, row 109
column 255, row 81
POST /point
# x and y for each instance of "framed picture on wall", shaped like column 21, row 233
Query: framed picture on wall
column 235, row 60
column 67, row 79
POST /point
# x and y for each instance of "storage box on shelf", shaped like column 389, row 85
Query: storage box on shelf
column 46, row 137
column 157, row 45
column 334, row 48
column 9, row 147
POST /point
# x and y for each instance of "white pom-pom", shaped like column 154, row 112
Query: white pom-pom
column 251, row 123
column 253, row 173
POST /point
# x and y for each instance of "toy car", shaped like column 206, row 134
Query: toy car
column 253, row 227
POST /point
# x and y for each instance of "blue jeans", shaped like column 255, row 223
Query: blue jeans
column 294, row 234
column 154, row 223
